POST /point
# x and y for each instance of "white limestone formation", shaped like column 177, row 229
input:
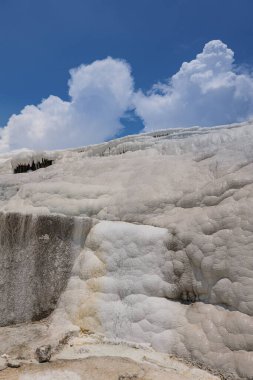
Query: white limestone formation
column 168, row 258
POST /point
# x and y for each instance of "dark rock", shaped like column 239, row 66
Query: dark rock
column 43, row 353
column 13, row 363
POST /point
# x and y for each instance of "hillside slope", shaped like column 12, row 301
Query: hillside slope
column 162, row 241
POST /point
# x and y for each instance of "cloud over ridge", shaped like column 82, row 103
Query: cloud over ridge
column 205, row 91
column 100, row 93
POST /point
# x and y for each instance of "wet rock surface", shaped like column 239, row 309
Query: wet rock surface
column 36, row 257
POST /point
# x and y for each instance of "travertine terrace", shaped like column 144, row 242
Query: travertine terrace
column 153, row 237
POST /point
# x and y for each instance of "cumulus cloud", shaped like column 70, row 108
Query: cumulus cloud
column 209, row 90
column 100, row 94
column 206, row 91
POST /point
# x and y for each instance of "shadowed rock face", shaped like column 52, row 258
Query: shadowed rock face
column 36, row 258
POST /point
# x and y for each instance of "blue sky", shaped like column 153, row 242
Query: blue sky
column 42, row 40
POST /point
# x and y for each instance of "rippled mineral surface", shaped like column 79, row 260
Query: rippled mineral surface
column 146, row 239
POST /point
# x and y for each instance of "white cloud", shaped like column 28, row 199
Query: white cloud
column 206, row 91
column 209, row 90
column 100, row 93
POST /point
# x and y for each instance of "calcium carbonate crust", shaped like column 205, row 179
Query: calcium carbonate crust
column 168, row 257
